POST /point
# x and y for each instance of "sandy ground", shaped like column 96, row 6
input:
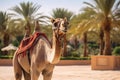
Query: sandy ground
column 76, row 72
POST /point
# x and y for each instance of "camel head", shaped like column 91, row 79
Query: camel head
column 59, row 26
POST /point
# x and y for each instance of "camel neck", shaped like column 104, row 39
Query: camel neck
column 56, row 43
column 57, row 48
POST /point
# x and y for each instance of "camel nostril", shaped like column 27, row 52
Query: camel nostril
column 65, row 30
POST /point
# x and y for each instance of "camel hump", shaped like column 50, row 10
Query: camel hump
column 37, row 27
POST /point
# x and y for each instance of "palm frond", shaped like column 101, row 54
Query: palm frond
column 61, row 13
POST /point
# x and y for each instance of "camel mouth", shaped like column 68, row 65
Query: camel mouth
column 64, row 31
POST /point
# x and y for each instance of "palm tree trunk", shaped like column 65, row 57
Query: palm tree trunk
column 106, row 30
column 85, row 44
column 6, row 39
column 76, row 43
column 107, row 49
column 101, row 41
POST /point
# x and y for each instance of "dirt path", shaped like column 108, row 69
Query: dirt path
column 76, row 72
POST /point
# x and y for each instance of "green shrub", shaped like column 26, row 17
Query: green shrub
column 75, row 53
column 93, row 46
column 75, row 58
column 6, row 57
column 15, row 43
column 116, row 51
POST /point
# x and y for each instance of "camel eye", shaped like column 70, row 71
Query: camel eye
column 62, row 24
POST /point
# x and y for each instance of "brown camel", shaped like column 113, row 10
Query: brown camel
column 43, row 56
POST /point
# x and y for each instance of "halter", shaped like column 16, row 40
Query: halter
column 58, row 29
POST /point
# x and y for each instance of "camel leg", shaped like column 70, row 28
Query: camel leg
column 17, row 68
column 26, row 75
column 47, row 75
column 34, row 73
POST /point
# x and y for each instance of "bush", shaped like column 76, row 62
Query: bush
column 116, row 51
column 75, row 53
column 75, row 58
column 6, row 57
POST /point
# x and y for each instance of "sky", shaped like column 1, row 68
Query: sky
column 46, row 5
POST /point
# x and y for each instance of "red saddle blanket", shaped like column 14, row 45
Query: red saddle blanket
column 27, row 43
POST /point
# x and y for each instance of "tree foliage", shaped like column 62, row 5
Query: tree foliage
column 100, row 15
column 28, row 14
column 61, row 13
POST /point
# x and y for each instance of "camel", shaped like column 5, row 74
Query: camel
column 43, row 56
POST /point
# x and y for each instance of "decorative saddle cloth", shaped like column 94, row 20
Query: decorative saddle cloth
column 29, row 42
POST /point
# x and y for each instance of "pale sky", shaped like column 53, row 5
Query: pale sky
column 47, row 5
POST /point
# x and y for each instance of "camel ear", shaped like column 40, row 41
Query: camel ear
column 52, row 20
column 65, row 19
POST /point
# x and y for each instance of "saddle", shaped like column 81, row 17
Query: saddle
column 29, row 42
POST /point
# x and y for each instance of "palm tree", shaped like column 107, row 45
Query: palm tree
column 27, row 13
column 3, row 28
column 80, row 25
column 101, row 16
column 105, row 9
column 8, row 29
column 62, row 13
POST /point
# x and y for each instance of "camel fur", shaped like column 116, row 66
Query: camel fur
column 43, row 57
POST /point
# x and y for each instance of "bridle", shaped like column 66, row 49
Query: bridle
column 56, row 29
